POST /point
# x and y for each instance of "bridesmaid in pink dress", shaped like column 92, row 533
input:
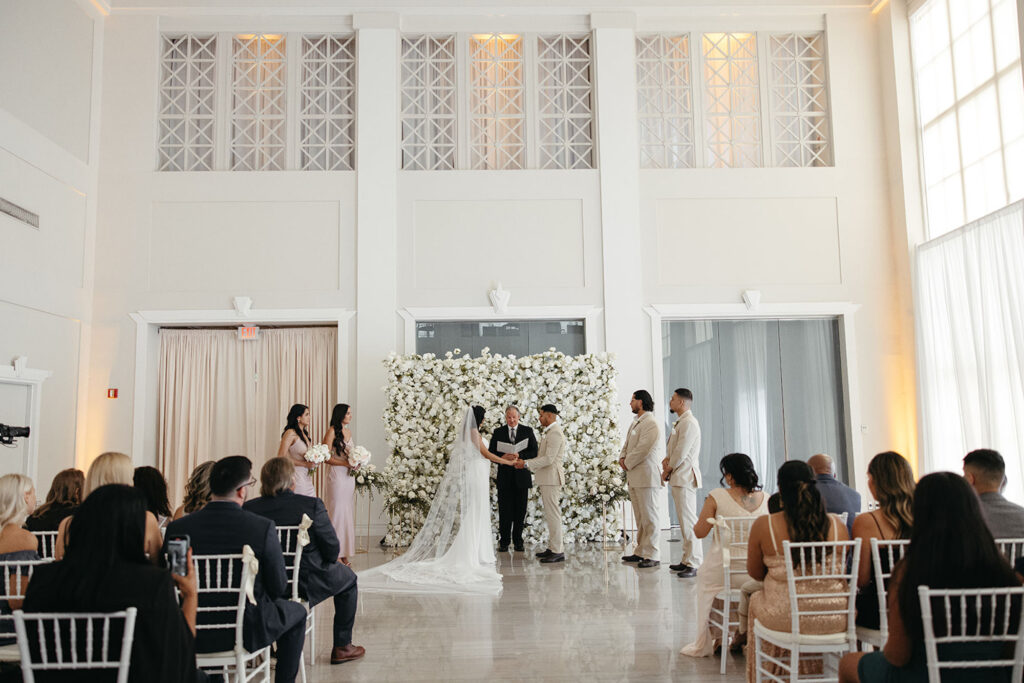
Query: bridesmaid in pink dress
column 294, row 444
column 341, row 486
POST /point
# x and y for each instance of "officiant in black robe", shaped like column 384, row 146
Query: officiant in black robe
column 513, row 484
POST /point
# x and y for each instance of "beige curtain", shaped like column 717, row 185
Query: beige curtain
column 220, row 396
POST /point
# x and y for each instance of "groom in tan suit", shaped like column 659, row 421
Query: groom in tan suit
column 549, row 478
column 641, row 459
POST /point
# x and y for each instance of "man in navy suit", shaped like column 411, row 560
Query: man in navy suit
column 320, row 575
column 222, row 527
column 513, row 484
column 839, row 498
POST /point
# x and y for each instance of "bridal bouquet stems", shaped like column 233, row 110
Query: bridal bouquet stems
column 427, row 395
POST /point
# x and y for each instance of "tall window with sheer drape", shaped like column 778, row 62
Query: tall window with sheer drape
column 220, row 396
column 970, row 338
column 769, row 388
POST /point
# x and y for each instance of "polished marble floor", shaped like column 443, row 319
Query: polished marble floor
column 591, row 617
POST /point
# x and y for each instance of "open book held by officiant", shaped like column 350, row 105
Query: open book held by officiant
column 519, row 447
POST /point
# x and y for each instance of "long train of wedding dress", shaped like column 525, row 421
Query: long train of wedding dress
column 454, row 550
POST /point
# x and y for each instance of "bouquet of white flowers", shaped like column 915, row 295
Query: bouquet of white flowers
column 357, row 458
column 317, row 454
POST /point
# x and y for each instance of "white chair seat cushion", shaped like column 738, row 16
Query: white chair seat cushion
column 869, row 635
column 10, row 653
column 787, row 638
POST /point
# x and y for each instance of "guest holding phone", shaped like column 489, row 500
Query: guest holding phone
column 105, row 570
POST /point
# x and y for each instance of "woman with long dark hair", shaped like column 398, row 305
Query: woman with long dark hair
column 341, row 485
column 891, row 482
column 741, row 496
column 151, row 482
column 803, row 519
column 295, row 442
column 950, row 547
column 105, row 570
column 63, row 499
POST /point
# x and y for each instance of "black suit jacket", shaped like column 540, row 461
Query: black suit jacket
column 509, row 477
column 222, row 528
column 320, row 575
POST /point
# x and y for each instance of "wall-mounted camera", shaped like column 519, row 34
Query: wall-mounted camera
column 9, row 434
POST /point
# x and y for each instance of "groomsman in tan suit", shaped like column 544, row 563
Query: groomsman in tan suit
column 641, row 459
column 681, row 469
column 549, row 478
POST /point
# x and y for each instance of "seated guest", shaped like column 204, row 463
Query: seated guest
column 64, row 497
column 321, row 574
column 104, row 570
column 985, row 470
column 17, row 501
column 891, row 482
column 743, row 497
column 802, row 519
column 838, row 497
column 197, row 490
column 950, row 547
column 112, row 468
column 749, row 587
column 151, row 482
column 222, row 527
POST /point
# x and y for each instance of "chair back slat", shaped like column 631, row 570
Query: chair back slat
column 972, row 618
column 1011, row 548
column 732, row 535
column 884, row 556
column 221, row 583
column 292, row 551
column 15, row 575
column 823, row 583
column 72, row 644
column 47, row 543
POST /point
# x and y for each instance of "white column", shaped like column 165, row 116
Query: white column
column 376, row 218
column 627, row 329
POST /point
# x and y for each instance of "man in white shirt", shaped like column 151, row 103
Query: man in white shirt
column 549, row 477
column 640, row 458
column 681, row 469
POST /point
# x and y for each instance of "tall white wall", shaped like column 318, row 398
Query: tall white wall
column 49, row 77
column 617, row 238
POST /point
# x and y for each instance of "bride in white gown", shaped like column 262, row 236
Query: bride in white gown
column 454, row 550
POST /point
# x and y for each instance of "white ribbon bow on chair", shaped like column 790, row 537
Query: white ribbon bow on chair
column 249, row 562
column 724, row 533
column 303, row 536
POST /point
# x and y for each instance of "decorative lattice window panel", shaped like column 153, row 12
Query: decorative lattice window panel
column 258, row 103
column 187, row 118
column 564, row 108
column 327, row 103
column 497, row 102
column 665, row 101
column 429, row 103
column 798, row 100
column 732, row 106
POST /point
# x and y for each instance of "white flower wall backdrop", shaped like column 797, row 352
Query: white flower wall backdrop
column 428, row 395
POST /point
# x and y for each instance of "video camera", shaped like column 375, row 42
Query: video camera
column 9, row 434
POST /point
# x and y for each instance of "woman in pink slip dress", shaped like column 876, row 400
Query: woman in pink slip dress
column 341, row 485
column 294, row 444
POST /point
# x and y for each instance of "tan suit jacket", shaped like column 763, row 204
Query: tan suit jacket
column 547, row 466
column 644, row 450
column 683, row 451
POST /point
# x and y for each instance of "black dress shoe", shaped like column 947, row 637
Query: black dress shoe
column 542, row 555
column 687, row 573
column 502, row 548
column 645, row 564
column 682, row 566
column 519, row 548
column 553, row 557
column 631, row 558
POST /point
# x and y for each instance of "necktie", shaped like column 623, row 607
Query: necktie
column 512, row 434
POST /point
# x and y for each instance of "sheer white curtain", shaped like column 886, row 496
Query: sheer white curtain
column 970, row 308
column 219, row 396
column 750, row 397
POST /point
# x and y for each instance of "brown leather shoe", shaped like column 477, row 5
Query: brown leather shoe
column 340, row 655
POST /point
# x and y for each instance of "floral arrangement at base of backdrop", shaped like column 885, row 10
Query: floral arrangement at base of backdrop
column 426, row 400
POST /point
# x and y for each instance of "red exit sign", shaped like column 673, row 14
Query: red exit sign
column 248, row 333
column 111, row 393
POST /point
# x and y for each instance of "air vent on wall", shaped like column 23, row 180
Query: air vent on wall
column 19, row 214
